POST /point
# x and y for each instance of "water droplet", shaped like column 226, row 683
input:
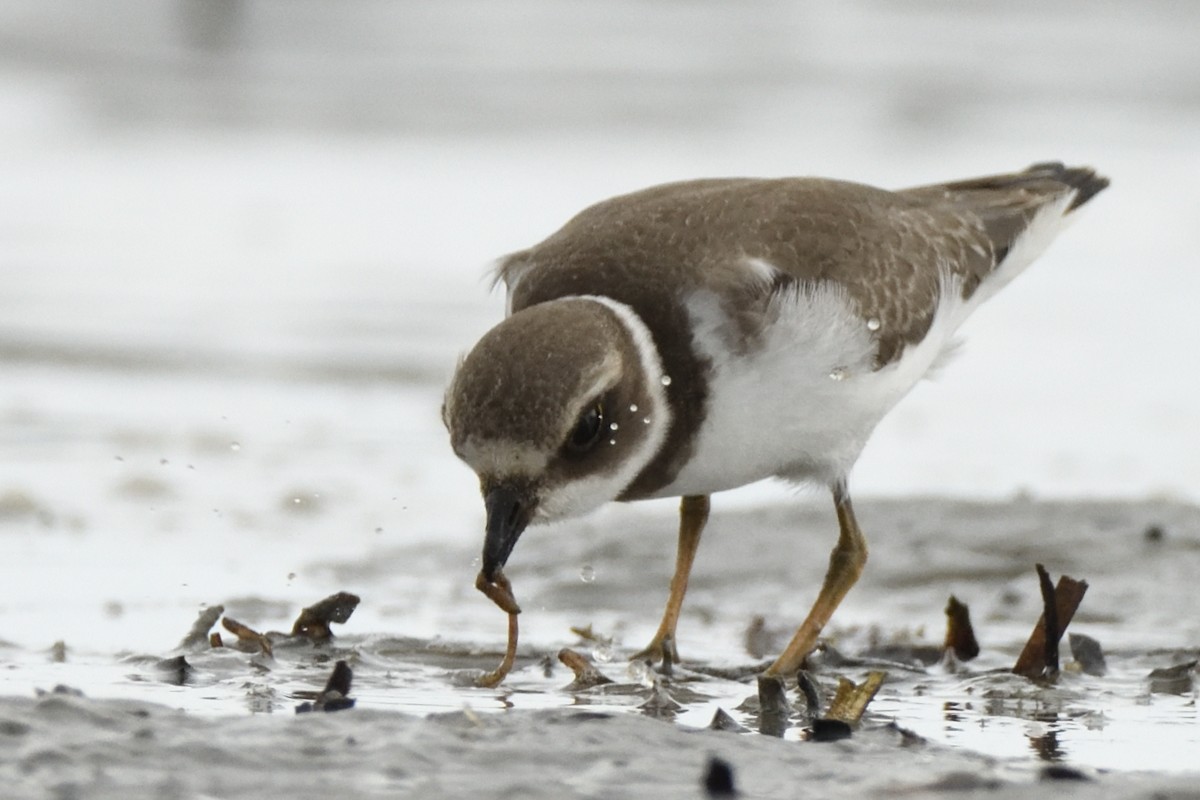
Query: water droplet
column 838, row 374
column 235, row 446
column 666, row 380
column 587, row 573
column 633, row 408
column 296, row 500
column 639, row 672
column 873, row 324
column 602, row 653
column 291, row 576
column 645, row 420
column 613, row 426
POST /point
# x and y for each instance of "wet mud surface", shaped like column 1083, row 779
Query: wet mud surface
column 1119, row 719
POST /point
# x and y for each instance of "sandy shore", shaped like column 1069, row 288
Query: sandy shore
column 70, row 747
column 226, row 725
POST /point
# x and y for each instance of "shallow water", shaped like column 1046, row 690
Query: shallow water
column 422, row 633
column 240, row 253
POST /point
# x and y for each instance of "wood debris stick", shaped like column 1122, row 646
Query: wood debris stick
column 759, row 641
column 176, row 670
column 588, row 635
column 1053, row 630
column 500, row 592
column 197, row 637
column 722, row 721
column 586, row 675
column 827, row 729
column 960, row 636
column 1173, row 680
column 773, row 707
column 336, row 694
column 1087, row 654
column 810, row 690
column 1039, row 658
column 851, row 699
column 718, row 779
column 659, row 703
column 247, row 635
column 315, row 620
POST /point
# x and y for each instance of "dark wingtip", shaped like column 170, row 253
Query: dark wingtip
column 1084, row 180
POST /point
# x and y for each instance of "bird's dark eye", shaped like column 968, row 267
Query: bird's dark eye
column 587, row 430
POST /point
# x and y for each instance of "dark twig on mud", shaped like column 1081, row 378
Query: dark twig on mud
column 247, row 636
column 1088, row 654
column 314, row 621
column 850, row 702
column 960, row 636
column 718, row 778
column 335, row 695
column 1039, row 658
column 586, row 675
column 1050, row 617
column 197, row 637
column 175, row 671
column 773, row 708
column 722, row 721
column 807, row 685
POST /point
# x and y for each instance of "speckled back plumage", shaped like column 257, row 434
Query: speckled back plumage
column 746, row 241
column 889, row 250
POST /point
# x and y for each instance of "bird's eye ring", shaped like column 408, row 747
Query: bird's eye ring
column 587, row 430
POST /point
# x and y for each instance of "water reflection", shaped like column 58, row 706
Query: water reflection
column 1046, row 746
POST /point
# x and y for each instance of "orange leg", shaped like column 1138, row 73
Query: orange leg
column 693, row 514
column 845, row 565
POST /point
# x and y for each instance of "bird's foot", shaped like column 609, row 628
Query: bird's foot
column 661, row 650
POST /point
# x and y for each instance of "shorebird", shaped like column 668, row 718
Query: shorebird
column 698, row 336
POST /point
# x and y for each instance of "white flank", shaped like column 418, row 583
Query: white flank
column 795, row 404
column 803, row 404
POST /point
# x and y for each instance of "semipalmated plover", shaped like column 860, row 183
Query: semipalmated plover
column 699, row 336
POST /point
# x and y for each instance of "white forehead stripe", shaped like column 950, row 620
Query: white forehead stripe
column 503, row 457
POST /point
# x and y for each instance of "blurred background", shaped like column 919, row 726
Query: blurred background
column 242, row 243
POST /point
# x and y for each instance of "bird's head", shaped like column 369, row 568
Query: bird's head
column 557, row 409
